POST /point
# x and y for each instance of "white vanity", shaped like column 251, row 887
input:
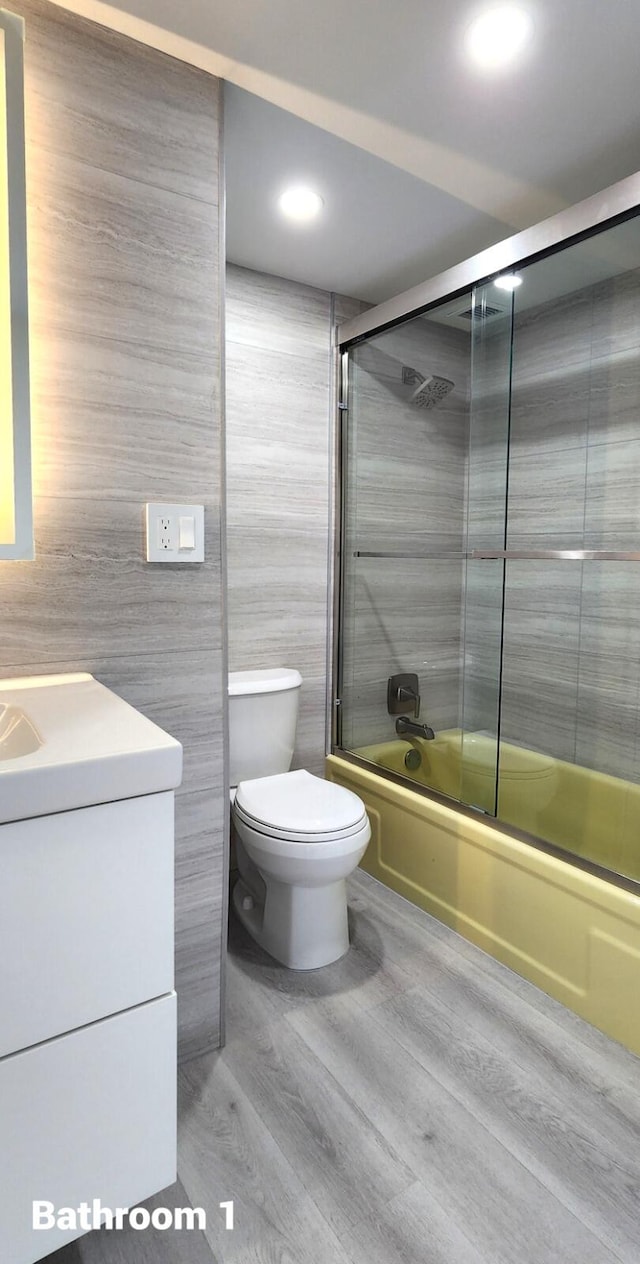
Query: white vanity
column 87, row 1007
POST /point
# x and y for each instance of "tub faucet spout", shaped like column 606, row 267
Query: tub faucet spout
column 405, row 726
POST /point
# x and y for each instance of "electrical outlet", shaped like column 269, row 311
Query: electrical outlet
column 164, row 534
column 174, row 533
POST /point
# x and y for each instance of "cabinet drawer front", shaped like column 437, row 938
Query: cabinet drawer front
column 86, row 916
column 89, row 1115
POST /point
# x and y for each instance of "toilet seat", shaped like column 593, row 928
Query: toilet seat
column 299, row 807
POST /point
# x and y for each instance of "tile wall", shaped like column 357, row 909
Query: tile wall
column 122, row 173
column 279, row 428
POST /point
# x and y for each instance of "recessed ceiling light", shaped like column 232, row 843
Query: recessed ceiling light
column 300, row 203
column 508, row 282
column 497, row 36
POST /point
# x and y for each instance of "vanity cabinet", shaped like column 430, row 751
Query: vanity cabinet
column 87, row 1006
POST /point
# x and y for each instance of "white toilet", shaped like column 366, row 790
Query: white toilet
column 297, row 836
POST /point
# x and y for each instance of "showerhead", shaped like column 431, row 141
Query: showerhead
column 428, row 391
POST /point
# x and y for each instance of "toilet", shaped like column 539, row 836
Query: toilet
column 298, row 837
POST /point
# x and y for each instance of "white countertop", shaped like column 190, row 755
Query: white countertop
column 95, row 748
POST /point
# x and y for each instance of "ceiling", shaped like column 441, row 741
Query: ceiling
column 421, row 158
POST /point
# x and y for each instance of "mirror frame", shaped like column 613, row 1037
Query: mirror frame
column 12, row 33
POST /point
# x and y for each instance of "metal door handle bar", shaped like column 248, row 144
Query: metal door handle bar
column 514, row 555
column 553, row 555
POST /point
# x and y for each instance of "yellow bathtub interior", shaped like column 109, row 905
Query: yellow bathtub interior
column 575, row 935
column 588, row 813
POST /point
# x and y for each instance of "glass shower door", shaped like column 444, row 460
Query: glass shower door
column 570, row 704
column 412, row 607
column 486, row 524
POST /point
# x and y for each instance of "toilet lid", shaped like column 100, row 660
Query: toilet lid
column 299, row 803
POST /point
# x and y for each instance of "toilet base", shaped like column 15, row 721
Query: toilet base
column 304, row 928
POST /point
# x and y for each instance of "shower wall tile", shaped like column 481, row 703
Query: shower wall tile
column 608, row 736
column 614, row 396
column 551, row 415
column 546, row 498
column 401, row 616
column 279, row 425
column 397, row 500
column 540, row 682
column 616, row 322
column 609, row 679
column 122, row 178
column 612, row 514
column 549, row 341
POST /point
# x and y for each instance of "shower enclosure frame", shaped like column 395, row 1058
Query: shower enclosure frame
column 612, row 206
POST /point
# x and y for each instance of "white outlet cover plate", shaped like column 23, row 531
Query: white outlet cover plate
column 163, row 533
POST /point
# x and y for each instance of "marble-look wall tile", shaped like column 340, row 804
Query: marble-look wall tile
column 89, row 590
column 616, row 314
column 546, row 498
column 276, row 315
column 277, row 437
column 122, row 177
column 132, row 261
column 278, row 431
column 277, row 598
column 614, row 396
column 129, row 397
column 146, row 116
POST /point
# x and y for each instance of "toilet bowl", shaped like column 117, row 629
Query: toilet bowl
column 298, row 839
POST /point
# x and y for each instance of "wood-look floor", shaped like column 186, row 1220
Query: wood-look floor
column 416, row 1102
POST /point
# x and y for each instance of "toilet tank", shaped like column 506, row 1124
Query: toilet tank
column 263, row 713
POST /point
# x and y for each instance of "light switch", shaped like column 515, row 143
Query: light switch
column 175, row 533
column 187, row 532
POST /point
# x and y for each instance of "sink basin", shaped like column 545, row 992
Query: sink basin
column 66, row 742
column 18, row 736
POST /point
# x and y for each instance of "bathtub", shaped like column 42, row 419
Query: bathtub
column 589, row 814
column 573, row 933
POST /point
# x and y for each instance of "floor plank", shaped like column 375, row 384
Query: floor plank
column 345, row 1164
column 567, row 1137
column 412, row 1229
column 488, row 1194
column 227, row 1153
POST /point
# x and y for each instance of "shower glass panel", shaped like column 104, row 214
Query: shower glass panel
column 405, row 554
column 491, row 547
column 571, row 646
column 485, row 522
